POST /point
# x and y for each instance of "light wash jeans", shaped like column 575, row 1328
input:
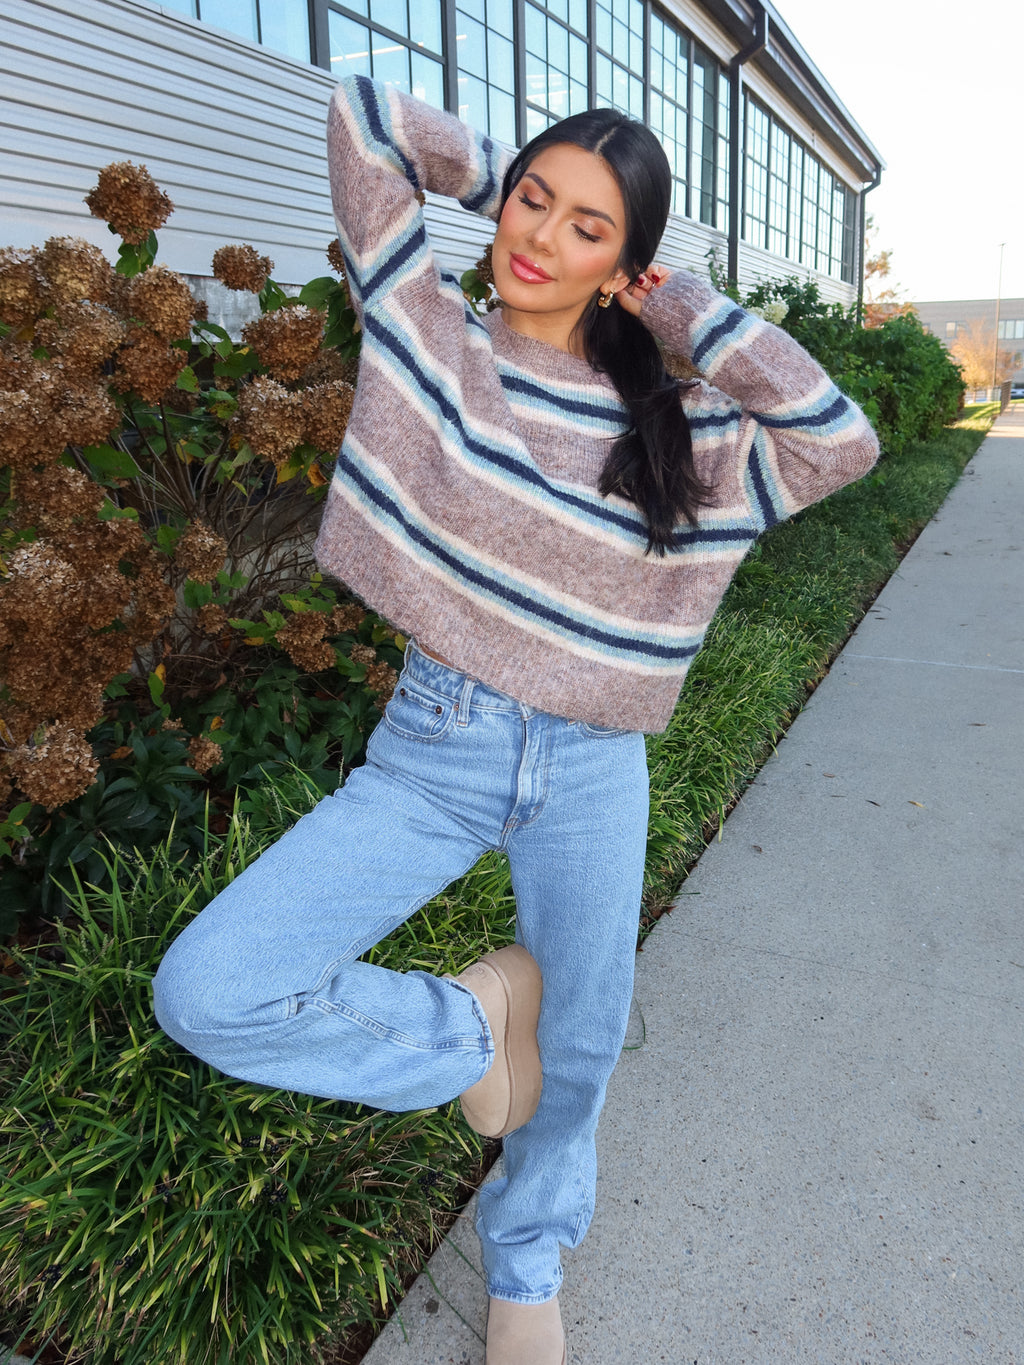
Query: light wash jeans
column 265, row 983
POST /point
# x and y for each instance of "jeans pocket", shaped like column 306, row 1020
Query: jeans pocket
column 602, row 731
column 416, row 713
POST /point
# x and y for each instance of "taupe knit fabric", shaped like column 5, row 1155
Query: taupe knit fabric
column 464, row 507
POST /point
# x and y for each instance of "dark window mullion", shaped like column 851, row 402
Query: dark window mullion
column 449, row 44
column 647, row 62
column 519, row 56
column 592, row 53
column 689, row 128
column 319, row 34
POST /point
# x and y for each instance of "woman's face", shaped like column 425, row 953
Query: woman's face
column 558, row 243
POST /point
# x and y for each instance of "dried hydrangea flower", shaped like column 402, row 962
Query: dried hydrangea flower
column 381, row 678
column 84, row 335
column 269, row 418
column 73, row 269
column 242, row 267
column 484, row 269
column 203, row 754
column 129, row 199
column 363, row 654
column 212, row 619
column 328, row 367
column 147, row 366
column 336, row 259
column 32, row 425
column 163, row 301
column 346, row 617
column 286, row 340
column 20, row 293
column 51, row 499
column 89, row 414
column 201, row 552
column 61, row 767
column 301, row 637
column 326, row 409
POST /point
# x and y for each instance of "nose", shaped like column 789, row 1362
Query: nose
column 540, row 235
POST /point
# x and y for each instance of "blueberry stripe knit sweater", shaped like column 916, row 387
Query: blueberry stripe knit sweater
column 464, row 506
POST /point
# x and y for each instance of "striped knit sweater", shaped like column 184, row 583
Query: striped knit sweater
column 464, row 507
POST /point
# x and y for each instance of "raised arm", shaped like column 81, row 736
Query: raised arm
column 806, row 438
column 383, row 146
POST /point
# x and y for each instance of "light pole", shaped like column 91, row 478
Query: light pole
column 999, row 293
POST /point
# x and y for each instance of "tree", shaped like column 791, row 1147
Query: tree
column 978, row 353
column 881, row 300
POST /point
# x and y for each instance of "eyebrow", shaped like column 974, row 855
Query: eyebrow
column 577, row 208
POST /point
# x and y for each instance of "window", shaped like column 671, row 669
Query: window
column 557, row 62
column 620, row 55
column 280, row 24
column 1011, row 329
column 950, row 330
column 670, row 79
column 486, row 67
column 374, row 38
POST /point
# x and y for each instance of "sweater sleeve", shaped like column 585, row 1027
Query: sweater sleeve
column 801, row 438
column 382, row 147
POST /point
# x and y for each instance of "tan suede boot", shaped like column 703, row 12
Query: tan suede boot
column 525, row 1333
column 508, row 986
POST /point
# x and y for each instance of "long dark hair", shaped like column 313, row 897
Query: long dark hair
column 652, row 463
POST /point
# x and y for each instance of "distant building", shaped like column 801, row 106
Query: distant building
column 226, row 101
column 949, row 319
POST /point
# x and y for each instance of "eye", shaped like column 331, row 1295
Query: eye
column 587, row 236
column 524, row 199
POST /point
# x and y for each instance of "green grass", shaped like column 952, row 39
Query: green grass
column 153, row 1211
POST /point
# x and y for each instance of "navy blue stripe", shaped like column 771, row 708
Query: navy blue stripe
column 519, row 600
column 699, row 421
column 823, row 419
column 477, row 201
column 513, row 384
column 768, row 513
column 634, row 524
column 412, row 246
column 733, row 318
column 369, row 100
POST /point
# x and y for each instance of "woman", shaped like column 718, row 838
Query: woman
column 553, row 520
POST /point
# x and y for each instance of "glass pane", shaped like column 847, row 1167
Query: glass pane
column 237, row 16
column 427, row 79
column 473, row 102
column 390, row 14
column 473, row 8
column 578, row 15
column 427, row 25
column 558, row 93
column 604, row 78
column 579, row 98
column 284, row 25
column 350, row 47
column 501, row 67
column 578, row 59
column 503, row 117
column 499, row 16
column 390, row 62
column 535, row 41
column 182, row 6
column 604, row 29
column 471, row 47
column 360, row 6
column 535, row 123
column 559, row 8
column 558, row 46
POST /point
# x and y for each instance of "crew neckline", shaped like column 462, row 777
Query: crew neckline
column 540, row 356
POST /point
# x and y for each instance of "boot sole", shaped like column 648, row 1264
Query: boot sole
column 518, row 1054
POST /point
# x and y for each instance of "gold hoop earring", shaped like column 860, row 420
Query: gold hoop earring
column 605, row 300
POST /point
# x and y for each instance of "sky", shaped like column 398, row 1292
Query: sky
column 938, row 90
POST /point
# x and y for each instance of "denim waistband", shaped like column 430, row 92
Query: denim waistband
column 451, row 683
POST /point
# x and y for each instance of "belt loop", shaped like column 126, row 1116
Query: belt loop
column 464, row 700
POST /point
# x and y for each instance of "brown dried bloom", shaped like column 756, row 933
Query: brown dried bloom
column 381, row 678
column 363, row 654
column 163, row 301
column 20, row 296
column 302, row 637
column 326, row 409
column 484, row 268
column 129, row 199
column 336, row 259
column 212, row 619
column 269, row 418
column 201, row 552
column 348, row 617
column 679, row 367
column 242, row 267
column 328, row 367
column 203, row 754
column 55, row 497
column 147, row 366
column 84, row 335
column 286, row 340
column 58, row 769
column 89, row 414
column 32, row 427
column 73, row 269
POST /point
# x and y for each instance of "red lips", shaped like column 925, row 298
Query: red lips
column 524, row 269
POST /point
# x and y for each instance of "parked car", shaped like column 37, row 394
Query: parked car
column 1017, row 391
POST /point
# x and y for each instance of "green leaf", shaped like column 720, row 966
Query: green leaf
column 111, row 461
column 240, row 362
column 271, row 297
column 317, row 293
column 196, row 595
column 187, row 380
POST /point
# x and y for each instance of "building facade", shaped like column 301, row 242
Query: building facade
column 225, row 101
column 996, row 325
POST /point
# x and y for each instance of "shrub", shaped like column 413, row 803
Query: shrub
column 159, row 485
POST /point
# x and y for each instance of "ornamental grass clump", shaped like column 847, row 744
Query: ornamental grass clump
column 159, row 488
column 153, row 1209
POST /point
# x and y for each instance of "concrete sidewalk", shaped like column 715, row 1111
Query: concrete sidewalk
column 817, row 1153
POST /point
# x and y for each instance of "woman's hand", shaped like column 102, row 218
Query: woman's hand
column 632, row 297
